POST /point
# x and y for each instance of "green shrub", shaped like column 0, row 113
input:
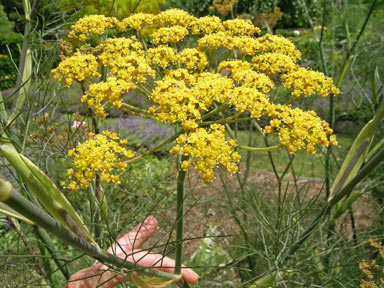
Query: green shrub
column 10, row 43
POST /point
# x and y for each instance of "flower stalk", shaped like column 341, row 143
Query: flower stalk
column 180, row 217
column 260, row 149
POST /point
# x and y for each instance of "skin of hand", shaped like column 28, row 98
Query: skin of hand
column 98, row 275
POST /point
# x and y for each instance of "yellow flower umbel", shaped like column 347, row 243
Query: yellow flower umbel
column 161, row 56
column 240, row 27
column 136, row 22
column 278, row 44
column 119, row 47
column 273, row 63
column 193, row 59
column 76, row 68
column 100, row 155
column 207, row 149
column 92, row 24
column 173, row 17
column 181, row 96
column 307, row 82
column 206, row 25
column 169, row 35
column 106, row 92
column 298, row 129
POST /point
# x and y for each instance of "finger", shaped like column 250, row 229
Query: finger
column 94, row 276
column 135, row 238
column 161, row 263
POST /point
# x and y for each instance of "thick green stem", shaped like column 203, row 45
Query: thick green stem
column 17, row 202
column 180, row 217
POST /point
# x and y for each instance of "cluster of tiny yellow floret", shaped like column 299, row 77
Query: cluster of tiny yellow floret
column 169, row 35
column 101, row 93
column 252, row 79
column 173, row 17
column 273, row 63
column 193, row 58
column 181, row 96
column 119, row 47
column 307, row 82
column 206, row 25
column 298, row 129
column 125, row 58
column 241, row 72
column 207, row 148
column 240, row 27
column 76, row 68
column 212, row 41
column 278, row 44
column 92, row 24
column 136, row 22
column 162, row 56
column 372, row 272
column 100, row 155
column 187, row 84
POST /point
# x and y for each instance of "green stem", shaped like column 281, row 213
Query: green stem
column 321, row 48
column 215, row 111
column 165, row 142
column 260, row 149
column 134, row 108
column 27, row 32
column 226, row 121
column 17, row 202
column 125, row 108
column 180, row 217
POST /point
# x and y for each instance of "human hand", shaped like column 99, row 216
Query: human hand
column 99, row 275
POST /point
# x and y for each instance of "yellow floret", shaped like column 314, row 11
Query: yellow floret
column 169, row 35
column 206, row 25
column 298, row 129
column 76, row 68
column 106, row 92
column 173, row 17
column 193, row 59
column 92, row 24
column 207, row 149
column 100, row 155
column 307, row 82
column 137, row 21
column 273, row 63
column 240, row 27
column 162, row 56
column 278, row 44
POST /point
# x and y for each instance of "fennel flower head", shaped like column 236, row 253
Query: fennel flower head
column 192, row 70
